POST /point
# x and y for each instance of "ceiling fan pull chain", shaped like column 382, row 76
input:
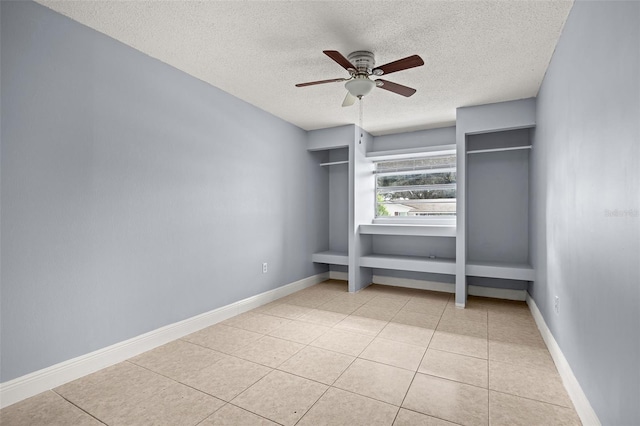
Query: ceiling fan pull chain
column 360, row 108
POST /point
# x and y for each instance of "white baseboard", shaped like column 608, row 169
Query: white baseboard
column 48, row 378
column 580, row 402
column 411, row 283
column 497, row 293
column 473, row 290
column 335, row 275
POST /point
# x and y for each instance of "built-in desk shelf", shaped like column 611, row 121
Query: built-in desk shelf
column 409, row 263
column 509, row 271
column 331, row 257
column 403, row 229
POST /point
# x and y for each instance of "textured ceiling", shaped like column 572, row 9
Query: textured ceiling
column 475, row 52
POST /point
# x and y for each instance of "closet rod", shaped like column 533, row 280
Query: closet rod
column 512, row 148
column 334, row 163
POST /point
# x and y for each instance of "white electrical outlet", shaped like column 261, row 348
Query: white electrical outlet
column 264, row 268
column 556, row 304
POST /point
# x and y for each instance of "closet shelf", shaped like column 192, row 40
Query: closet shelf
column 331, row 257
column 409, row 263
column 505, row 270
column 404, row 229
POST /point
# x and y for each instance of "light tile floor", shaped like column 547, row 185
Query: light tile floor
column 322, row 356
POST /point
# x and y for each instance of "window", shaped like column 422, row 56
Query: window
column 416, row 187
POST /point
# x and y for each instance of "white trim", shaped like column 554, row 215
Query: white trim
column 411, row 283
column 581, row 403
column 497, row 293
column 336, row 275
column 39, row 381
column 474, row 290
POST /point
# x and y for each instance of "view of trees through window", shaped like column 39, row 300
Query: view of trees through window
column 416, row 187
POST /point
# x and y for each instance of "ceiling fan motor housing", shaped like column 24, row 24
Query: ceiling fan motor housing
column 360, row 85
column 363, row 60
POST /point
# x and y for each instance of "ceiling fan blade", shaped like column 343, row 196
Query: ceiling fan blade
column 395, row 88
column 399, row 65
column 341, row 60
column 311, row 83
column 349, row 100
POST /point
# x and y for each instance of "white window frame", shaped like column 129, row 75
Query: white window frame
column 445, row 220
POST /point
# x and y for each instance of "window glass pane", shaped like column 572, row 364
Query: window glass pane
column 417, row 163
column 416, row 187
column 417, row 179
column 419, row 195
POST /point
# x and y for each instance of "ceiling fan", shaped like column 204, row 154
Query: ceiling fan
column 361, row 65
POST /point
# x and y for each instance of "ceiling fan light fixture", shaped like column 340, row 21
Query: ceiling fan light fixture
column 360, row 86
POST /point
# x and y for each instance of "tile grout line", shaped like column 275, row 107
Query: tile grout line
column 225, row 402
column 213, row 396
column 451, row 296
column 248, row 411
column 418, row 368
column 78, row 407
column 312, row 405
column 488, row 372
column 533, row 399
column 328, row 386
column 230, row 402
column 350, row 364
column 305, row 378
column 429, row 415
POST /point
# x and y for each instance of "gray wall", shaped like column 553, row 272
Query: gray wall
column 330, row 138
column 133, row 195
column 401, row 245
column 418, row 139
column 585, row 166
